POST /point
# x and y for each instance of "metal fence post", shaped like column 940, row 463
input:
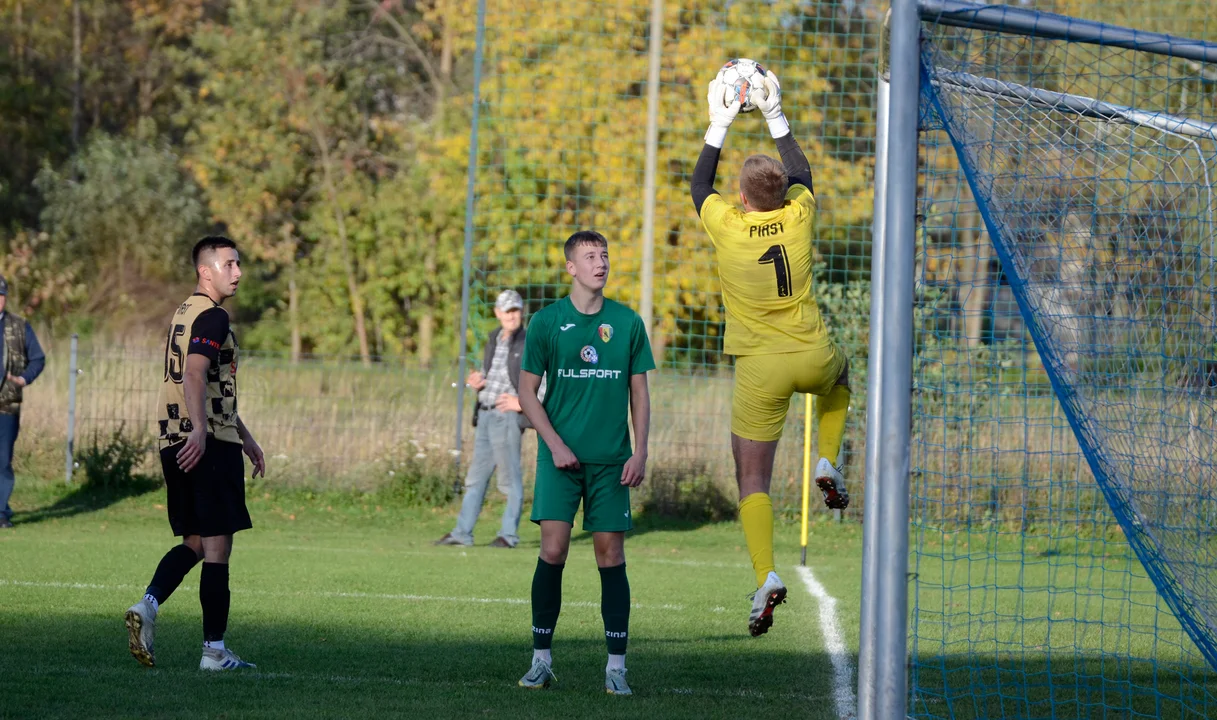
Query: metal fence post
column 647, row 271
column 467, row 264
column 69, row 451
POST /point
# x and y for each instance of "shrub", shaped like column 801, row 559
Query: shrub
column 416, row 484
column 687, row 494
column 111, row 464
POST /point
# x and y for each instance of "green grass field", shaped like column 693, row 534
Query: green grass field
column 349, row 611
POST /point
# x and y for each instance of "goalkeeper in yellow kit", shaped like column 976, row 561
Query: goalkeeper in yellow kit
column 774, row 328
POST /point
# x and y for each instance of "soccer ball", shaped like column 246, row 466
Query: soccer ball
column 742, row 77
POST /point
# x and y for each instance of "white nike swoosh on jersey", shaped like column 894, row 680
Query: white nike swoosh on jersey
column 566, row 327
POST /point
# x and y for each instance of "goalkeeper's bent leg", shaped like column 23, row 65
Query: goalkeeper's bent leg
column 830, row 420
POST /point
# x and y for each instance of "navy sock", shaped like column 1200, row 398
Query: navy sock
column 615, row 607
column 546, row 603
column 214, row 597
column 172, row 569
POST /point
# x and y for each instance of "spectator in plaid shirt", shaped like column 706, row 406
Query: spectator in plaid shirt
column 500, row 425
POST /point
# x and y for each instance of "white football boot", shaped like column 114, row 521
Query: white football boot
column 764, row 600
column 217, row 659
column 141, row 630
column 832, row 484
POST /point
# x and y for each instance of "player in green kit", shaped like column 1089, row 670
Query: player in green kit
column 596, row 355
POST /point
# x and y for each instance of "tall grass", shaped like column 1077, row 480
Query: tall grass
column 990, row 451
column 333, row 424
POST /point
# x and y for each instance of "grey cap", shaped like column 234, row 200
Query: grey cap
column 509, row 300
column 3, row 286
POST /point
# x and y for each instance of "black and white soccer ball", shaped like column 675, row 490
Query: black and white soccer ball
column 742, row 78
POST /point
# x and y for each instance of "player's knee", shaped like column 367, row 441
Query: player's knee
column 195, row 543
column 610, row 557
column 553, row 555
column 554, row 550
column 217, row 549
column 609, row 548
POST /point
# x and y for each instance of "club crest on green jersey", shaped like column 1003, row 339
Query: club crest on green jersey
column 606, row 332
column 589, row 355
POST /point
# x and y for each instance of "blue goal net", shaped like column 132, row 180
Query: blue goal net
column 1065, row 423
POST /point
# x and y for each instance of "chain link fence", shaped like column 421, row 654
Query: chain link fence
column 333, row 423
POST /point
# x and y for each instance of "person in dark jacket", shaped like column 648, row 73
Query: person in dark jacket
column 500, row 426
column 22, row 359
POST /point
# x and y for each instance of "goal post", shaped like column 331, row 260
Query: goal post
column 1043, row 364
column 882, row 680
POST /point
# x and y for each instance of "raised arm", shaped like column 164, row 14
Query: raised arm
column 702, row 186
column 722, row 115
column 798, row 170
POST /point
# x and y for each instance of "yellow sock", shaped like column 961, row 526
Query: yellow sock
column 830, row 418
column 756, row 514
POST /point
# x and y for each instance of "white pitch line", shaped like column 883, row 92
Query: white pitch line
column 842, row 686
column 66, row 585
column 395, row 551
column 407, row 597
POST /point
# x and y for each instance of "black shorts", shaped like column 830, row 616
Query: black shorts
column 210, row 499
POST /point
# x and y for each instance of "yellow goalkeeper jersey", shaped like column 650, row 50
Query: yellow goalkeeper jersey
column 764, row 266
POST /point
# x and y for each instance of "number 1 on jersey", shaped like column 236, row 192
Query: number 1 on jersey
column 776, row 256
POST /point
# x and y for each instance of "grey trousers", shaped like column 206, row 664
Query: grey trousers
column 496, row 446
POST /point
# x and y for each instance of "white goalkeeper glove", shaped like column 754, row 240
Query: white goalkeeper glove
column 768, row 99
column 722, row 114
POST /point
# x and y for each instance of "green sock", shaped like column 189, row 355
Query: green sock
column 546, row 603
column 615, row 607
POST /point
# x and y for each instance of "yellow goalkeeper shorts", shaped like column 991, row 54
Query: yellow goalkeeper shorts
column 764, row 384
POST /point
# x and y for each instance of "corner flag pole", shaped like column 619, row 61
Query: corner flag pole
column 806, row 471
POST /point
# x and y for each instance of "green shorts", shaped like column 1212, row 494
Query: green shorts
column 606, row 502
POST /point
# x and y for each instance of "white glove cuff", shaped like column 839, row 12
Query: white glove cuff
column 778, row 126
column 716, row 136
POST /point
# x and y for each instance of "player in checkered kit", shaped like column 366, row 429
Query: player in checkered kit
column 202, row 439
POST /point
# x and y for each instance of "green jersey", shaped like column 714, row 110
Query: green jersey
column 588, row 361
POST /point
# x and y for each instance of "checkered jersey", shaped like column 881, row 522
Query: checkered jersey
column 200, row 327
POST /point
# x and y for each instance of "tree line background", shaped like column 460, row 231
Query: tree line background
column 327, row 138
column 330, row 138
